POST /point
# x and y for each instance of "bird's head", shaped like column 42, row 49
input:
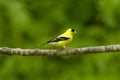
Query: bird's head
column 71, row 31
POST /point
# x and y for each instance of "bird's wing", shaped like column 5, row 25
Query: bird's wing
column 57, row 39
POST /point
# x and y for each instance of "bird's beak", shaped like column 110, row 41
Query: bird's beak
column 75, row 32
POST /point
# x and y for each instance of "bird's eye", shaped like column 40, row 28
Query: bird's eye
column 72, row 30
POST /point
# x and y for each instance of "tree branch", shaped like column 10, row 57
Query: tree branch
column 58, row 52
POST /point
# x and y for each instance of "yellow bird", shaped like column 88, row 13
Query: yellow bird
column 63, row 39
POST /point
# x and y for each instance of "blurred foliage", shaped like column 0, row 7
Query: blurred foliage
column 28, row 23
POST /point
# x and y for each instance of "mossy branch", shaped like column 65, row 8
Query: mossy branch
column 58, row 52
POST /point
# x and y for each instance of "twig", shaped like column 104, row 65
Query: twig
column 58, row 52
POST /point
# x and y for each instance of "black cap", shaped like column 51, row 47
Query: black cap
column 72, row 30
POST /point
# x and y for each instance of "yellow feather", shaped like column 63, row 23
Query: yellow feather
column 68, row 34
column 63, row 39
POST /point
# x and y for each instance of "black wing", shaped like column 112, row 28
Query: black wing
column 58, row 39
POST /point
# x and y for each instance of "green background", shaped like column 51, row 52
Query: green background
column 28, row 23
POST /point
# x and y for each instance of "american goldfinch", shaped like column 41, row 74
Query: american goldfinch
column 63, row 39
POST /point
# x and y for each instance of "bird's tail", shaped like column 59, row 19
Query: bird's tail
column 42, row 44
